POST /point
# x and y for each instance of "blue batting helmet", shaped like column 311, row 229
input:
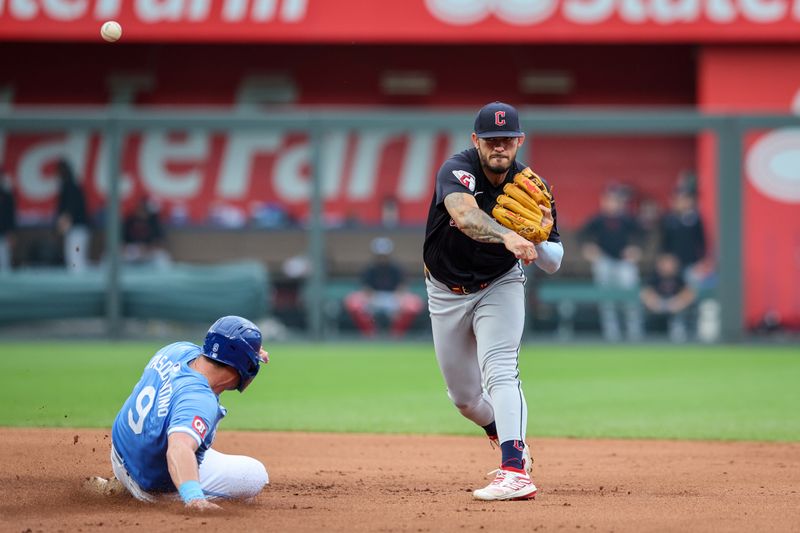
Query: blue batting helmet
column 236, row 342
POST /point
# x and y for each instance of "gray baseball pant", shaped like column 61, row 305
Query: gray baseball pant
column 477, row 338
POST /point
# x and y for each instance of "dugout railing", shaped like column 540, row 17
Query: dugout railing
column 115, row 122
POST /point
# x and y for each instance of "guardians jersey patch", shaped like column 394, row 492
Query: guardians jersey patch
column 466, row 179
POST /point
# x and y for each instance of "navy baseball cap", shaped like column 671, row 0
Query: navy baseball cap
column 497, row 120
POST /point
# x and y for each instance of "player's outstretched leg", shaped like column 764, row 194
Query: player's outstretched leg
column 232, row 476
column 498, row 340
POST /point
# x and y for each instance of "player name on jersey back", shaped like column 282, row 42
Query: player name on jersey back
column 165, row 367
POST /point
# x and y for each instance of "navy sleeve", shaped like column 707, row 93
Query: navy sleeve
column 454, row 176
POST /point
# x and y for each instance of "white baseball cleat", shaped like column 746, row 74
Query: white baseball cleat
column 104, row 487
column 508, row 485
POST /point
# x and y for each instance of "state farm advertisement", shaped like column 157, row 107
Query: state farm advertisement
column 237, row 178
column 771, row 217
column 354, row 21
column 230, row 178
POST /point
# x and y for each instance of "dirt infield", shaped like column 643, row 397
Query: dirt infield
column 419, row 483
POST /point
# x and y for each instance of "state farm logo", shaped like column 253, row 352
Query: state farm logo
column 773, row 162
column 634, row 12
column 517, row 12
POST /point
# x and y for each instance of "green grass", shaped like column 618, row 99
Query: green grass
column 695, row 392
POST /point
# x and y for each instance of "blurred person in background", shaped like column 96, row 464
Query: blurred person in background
column 383, row 294
column 72, row 220
column 390, row 212
column 289, row 291
column 8, row 221
column 143, row 236
column 649, row 215
column 682, row 234
column 161, row 439
column 666, row 294
column 612, row 244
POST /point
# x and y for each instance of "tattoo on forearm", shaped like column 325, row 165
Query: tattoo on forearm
column 475, row 223
column 482, row 227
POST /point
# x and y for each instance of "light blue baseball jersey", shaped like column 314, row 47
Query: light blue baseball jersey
column 170, row 397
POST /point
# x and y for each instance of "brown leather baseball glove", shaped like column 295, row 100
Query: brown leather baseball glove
column 518, row 207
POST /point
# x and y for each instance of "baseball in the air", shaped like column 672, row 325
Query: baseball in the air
column 111, row 31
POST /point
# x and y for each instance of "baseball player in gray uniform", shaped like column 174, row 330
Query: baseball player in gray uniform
column 476, row 296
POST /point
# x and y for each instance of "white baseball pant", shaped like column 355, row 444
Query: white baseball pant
column 221, row 476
